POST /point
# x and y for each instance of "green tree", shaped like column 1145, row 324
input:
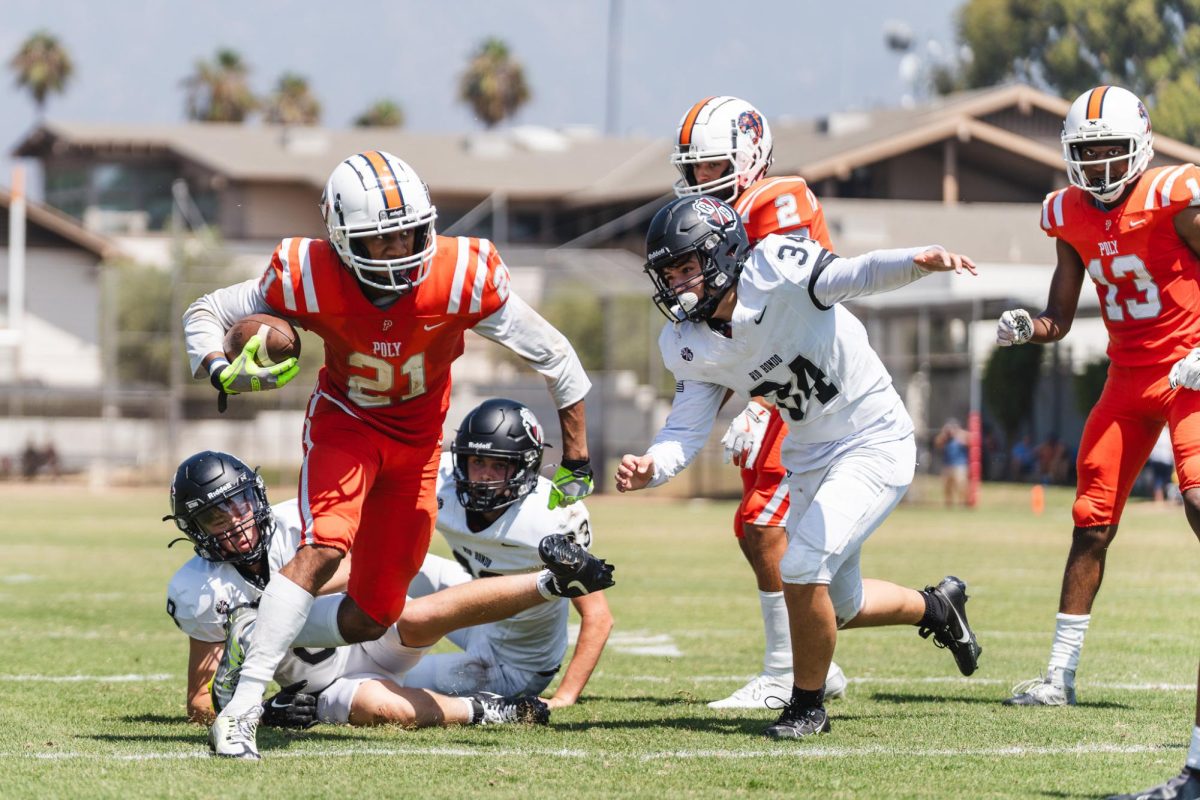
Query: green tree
column 218, row 90
column 43, row 67
column 1151, row 47
column 494, row 83
column 381, row 114
column 292, row 102
column 1009, row 380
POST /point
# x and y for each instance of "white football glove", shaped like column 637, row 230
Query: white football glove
column 745, row 435
column 1015, row 327
column 1186, row 372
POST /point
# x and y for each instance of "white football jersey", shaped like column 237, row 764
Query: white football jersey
column 202, row 592
column 793, row 344
column 536, row 638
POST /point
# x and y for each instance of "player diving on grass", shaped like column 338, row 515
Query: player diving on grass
column 768, row 322
column 241, row 541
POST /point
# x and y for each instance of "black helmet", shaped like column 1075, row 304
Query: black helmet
column 712, row 230
column 497, row 429
column 209, row 492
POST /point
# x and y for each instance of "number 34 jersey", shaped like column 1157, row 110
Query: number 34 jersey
column 791, row 342
column 1146, row 276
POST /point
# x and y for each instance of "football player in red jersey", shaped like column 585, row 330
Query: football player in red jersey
column 391, row 300
column 723, row 148
column 1136, row 233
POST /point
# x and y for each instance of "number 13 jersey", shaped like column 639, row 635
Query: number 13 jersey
column 1145, row 274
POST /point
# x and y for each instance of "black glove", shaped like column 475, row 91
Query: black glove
column 574, row 571
column 291, row 708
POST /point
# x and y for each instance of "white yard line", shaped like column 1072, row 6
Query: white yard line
column 896, row 681
column 794, row 751
column 159, row 676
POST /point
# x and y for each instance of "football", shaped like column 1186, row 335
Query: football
column 282, row 342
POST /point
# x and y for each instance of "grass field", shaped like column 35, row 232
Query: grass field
column 91, row 670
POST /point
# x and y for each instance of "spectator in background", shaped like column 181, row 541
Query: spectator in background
column 1023, row 460
column 951, row 445
column 1052, row 463
column 1161, row 466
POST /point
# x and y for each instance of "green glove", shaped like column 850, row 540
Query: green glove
column 572, row 482
column 245, row 374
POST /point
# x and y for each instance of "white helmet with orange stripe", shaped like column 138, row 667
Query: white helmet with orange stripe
column 726, row 131
column 1107, row 115
column 373, row 194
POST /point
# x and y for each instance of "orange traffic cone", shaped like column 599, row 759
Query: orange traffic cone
column 1037, row 499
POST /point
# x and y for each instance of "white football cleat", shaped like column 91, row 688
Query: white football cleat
column 835, row 682
column 755, row 693
column 234, row 737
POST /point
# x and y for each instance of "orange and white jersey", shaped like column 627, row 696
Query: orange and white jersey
column 391, row 365
column 782, row 205
column 1146, row 276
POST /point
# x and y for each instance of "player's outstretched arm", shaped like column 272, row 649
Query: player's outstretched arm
column 634, row 472
column 937, row 259
column 595, row 623
column 1016, row 326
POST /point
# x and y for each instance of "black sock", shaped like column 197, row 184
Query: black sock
column 937, row 610
column 476, row 711
column 808, row 699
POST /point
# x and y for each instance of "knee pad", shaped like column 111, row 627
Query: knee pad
column 333, row 704
column 802, row 566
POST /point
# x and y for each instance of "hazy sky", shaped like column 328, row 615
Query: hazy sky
column 794, row 58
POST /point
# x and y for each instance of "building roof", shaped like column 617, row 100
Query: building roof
column 60, row 226
column 578, row 167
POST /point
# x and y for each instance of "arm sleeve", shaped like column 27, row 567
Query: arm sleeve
column 835, row 279
column 207, row 319
column 686, row 430
column 521, row 329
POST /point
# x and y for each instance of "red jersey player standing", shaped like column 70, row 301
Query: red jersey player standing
column 723, row 148
column 391, row 300
column 1136, row 232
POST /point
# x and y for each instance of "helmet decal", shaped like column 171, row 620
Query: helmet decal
column 530, row 423
column 751, row 123
column 715, row 215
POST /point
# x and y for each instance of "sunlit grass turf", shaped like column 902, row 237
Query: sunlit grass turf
column 82, row 579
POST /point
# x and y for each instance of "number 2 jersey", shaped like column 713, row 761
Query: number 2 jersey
column 782, row 205
column 1145, row 274
column 792, row 343
column 390, row 365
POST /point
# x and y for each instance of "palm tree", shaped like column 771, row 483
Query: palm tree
column 219, row 92
column 293, row 102
column 43, row 67
column 381, row 114
column 494, row 84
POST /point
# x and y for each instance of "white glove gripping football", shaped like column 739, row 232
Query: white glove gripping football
column 745, row 435
column 1015, row 327
column 1186, row 371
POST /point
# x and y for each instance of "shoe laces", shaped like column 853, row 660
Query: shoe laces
column 791, row 712
column 246, row 724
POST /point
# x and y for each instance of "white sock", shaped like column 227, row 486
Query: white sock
column 1068, row 641
column 281, row 613
column 321, row 628
column 777, row 660
column 1193, row 757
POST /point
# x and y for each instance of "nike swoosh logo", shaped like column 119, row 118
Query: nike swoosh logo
column 435, row 325
column 577, row 585
column 758, row 320
column 966, row 637
column 1134, row 223
column 275, row 704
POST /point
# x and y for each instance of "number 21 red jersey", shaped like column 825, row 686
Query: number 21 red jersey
column 1145, row 274
column 388, row 366
column 782, row 205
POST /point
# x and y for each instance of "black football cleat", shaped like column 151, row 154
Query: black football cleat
column 955, row 634
column 574, row 571
column 1184, row 786
column 798, row 721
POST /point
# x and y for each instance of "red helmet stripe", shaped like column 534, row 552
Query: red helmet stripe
column 1096, row 102
column 387, row 179
column 685, row 130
